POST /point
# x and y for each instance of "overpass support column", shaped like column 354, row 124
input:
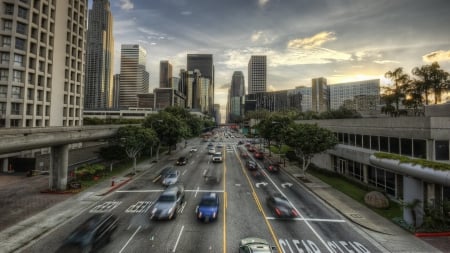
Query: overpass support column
column 59, row 162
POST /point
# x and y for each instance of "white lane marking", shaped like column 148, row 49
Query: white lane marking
column 301, row 216
column 105, row 207
column 178, row 239
column 184, row 172
column 129, row 240
column 306, row 219
column 139, row 207
column 183, row 206
column 196, row 192
column 136, row 191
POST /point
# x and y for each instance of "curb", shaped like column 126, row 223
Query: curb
column 112, row 188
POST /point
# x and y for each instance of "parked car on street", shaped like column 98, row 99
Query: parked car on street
column 280, row 206
column 171, row 178
column 168, row 203
column 91, row 234
column 208, row 208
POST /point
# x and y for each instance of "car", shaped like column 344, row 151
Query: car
column 280, row 206
column 92, row 234
column 217, row 157
column 272, row 166
column 168, row 203
column 240, row 142
column 208, row 208
column 254, row 244
column 258, row 155
column 211, row 151
column 171, row 177
column 182, row 161
column 193, row 149
column 251, row 165
column 210, row 145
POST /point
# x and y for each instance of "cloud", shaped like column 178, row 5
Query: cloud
column 440, row 55
column 186, row 13
column 312, row 42
column 385, row 62
column 262, row 3
column 126, row 5
column 261, row 36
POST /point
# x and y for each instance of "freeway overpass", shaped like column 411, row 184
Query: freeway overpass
column 58, row 139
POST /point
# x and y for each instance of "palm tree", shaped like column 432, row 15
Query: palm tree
column 400, row 79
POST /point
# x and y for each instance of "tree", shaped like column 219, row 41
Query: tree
column 399, row 78
column 307, row 140
column 134, row 139
column 273, row 127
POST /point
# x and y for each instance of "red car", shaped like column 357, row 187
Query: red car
column 258, row 155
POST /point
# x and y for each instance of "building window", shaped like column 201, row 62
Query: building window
column 20, row 44
column 14, row 123
column 441, row 150
column 23, row 13
column 406, row 147
column 21, row 28
column 2, row 108
column 3, row 91
column 17, row 76
column 358, row 140
column 9, row 9
column 384, row 144
column 15, row 108
column 6, row 41
column 420, row 149
column 5, row 58
column 7, row 25
column 18, row 60
column 366, row 141
column 16, row 92
column 394, row 146
column 4, row 74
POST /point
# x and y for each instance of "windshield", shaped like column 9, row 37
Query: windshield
column 172, row 175
column 208, row 202
column 167, row 198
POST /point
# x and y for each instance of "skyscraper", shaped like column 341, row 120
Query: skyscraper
column 320, row 96
column 203, row 63
column 165, row 74
column 133, row 76
column 236, row 96
column 41, row 63
column 99, row 57
column 257, row 74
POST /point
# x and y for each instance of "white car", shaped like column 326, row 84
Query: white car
column 193, row 149
column 171, row 178
column 211, row 151
column 217, row 157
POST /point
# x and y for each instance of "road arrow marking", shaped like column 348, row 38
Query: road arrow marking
column 286, row 184
column 260, row 183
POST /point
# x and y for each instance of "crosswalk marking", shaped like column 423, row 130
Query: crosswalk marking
column 139, row 207
column 105, row 207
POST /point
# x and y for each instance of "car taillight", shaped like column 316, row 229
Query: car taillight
column 278, row 211
column 270, row 167
column 294, row 213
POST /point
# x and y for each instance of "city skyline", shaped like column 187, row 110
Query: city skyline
column 302, row 39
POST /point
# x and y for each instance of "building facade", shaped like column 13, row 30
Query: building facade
column 99, row 57
column 165, row 74
column 320, row 95
column 257, row 74
column 42, row 48
column 116, row 91
column 133, row 77
column 204, row 64
column 306, row 103
column 359, row 96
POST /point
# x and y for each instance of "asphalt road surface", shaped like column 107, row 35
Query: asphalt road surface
column 243, row 213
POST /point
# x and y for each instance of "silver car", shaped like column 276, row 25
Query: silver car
column 168, row 203
column 171, row 178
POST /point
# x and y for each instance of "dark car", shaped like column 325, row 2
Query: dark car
column 208, row 208
column 251, row 165
column 182, row 161
column 280, row 206
column 168, row 203
column 272, row 166
column 253, row 245
column 91, row 235
column 258, row 154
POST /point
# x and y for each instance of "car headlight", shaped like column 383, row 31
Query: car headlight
column 154, row 210
column 200, row 214
column 170, row 210
column 214, row 215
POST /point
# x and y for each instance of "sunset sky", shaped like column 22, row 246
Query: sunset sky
column 341, row 40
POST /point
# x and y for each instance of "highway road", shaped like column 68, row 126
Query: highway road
column 243, row 212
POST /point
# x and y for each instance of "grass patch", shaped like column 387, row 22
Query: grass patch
column 356, row 192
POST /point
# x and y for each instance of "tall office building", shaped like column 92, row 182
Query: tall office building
column 235, row 108
column 320, row 96
column 42, row 48
column 203, row 63
column 99, row 57
column 165, row 74
column 257, row 74
column 116, row 90
column 133, row 79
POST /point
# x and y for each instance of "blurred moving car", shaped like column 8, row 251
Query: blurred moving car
column 280, row 206
column 217, row 157
column 272, row 166
column 251, row 165
column 258, row 154
column 208, row 208
column 168, row 203
column 193, row 149
column 171, row 178
column 91, row 235
column 254, row 244
column 211, row 151
column 182, row 161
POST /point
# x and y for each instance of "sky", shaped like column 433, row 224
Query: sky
column 341, row 40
